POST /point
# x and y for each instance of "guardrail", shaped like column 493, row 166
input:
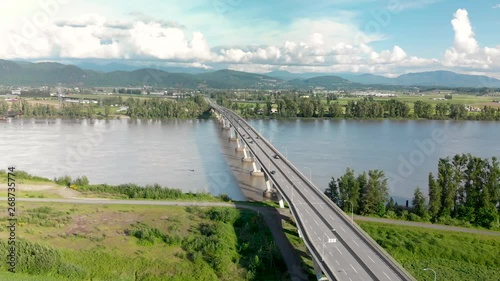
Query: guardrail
column 394, row 265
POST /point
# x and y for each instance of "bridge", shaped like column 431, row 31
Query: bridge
column 340, row 249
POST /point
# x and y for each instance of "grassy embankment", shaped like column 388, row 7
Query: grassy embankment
column 453, row 255
column 83, row 242
column 38, row 187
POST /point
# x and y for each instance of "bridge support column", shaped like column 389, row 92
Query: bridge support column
column 247, row 156
column 239, row 147
column 280, row 201
column 255, row 172
column 225, row 124
column 267, row 193
column 233, row 136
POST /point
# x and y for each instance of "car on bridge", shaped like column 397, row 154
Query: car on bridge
column 276, row 156
column 273, row 172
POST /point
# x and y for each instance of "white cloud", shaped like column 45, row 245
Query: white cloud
column 303, row 45
column 497, row 6
column 466, row 52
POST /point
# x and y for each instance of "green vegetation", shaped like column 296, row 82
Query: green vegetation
column 151, row 108
column 290, row 229
column 83, row 242
column 166, row 108
column 466, row 192
column 22, row 177
column 453, row 255
column 310, row 105
column 133, row 191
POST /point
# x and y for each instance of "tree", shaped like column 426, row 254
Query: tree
column 391, row 205
column 418, row 203
column 446, row 184
column 376, row 194
column 335, row 109
column 349, row 189
column 435, row 197
column 332, row 191
column 106, row 111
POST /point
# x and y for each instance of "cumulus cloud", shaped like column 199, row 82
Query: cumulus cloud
column 466, row 51
column 497, row 6
column 94, row 36
column 305, row 45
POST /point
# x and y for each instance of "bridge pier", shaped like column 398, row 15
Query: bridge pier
column 247, row 156
column 280, row 201
column 256, row 172
column 268, row 192
column 239, row 147
column 234, row 136
column 225, row 124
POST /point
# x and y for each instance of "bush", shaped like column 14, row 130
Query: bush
column 33, row 258
column 65, row 180
column 225, row 215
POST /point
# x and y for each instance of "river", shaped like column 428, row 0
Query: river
column 189, row 154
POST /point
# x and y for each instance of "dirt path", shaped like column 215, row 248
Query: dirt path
column 428, row 225
column 49, row 188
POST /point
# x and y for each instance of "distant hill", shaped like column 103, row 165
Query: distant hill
column 327, row 82
column 49, row 73
column 446, row 79
column 369, row 79
column 116, row 66
column 431, row 78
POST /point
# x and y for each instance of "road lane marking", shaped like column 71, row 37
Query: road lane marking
column 315, row 232
column 307, row 212
column 350, row 279
column 337, row 262
column 331, row 217
column 331, row 254
column 338, row 249
column 371, row 259
column 322, row 207
column 345, row 272
column 386, row 275
column 316, row 222
column 355, row 243
column 354, row 268
column 342, row 228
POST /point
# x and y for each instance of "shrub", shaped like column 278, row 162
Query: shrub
column 225, row 215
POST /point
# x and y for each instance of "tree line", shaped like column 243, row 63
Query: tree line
column 150, row 108
column 465, row 191
column 293, row 105
column 167, row 108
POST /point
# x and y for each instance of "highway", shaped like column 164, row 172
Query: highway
column 341, row 248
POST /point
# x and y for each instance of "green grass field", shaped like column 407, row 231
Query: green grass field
column 453, row 255
column 85, row 242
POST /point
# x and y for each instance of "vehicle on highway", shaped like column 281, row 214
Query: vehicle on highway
column 273, row 172
column 276, row 156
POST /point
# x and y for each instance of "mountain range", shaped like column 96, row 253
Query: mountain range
column 50, row 73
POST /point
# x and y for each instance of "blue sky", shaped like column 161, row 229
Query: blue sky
column 386, row 37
